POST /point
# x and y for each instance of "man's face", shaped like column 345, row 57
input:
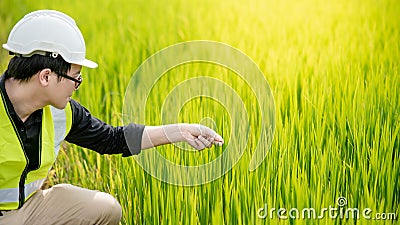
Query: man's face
column 62, row 91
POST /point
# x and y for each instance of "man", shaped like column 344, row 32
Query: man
column 37, row 114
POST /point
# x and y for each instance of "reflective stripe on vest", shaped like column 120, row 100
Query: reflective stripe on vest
column 11, row 194
column 60, row 127
column 56, row 124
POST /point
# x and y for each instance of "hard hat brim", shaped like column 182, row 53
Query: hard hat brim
column 88, row 63
column 85, row 62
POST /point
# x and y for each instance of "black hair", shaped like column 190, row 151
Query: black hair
column 24, row 68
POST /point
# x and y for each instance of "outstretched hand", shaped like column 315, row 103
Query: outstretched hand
column 196, row 135
column 199, row 136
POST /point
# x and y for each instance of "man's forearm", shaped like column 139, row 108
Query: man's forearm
column 159, row 135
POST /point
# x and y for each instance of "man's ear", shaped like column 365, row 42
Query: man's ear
column 44, row 77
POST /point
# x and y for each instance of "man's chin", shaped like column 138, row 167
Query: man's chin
column 60, row 106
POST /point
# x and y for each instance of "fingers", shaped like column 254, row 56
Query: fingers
column 209, row 133
column 200, row 137
column 201, row 142
column 205, row 142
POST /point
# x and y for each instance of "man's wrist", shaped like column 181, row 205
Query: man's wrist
column 175, row 132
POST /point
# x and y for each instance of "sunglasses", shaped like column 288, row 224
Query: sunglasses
column 77, row 80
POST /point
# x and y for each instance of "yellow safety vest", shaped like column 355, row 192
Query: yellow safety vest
column 16, row 185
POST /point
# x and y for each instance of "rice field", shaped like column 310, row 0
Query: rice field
column 333, row 71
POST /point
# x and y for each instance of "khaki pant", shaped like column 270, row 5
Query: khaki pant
column 66, row 204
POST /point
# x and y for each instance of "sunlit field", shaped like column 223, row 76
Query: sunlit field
column 333, row 69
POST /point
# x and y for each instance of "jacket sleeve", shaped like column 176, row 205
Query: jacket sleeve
column 89, row 132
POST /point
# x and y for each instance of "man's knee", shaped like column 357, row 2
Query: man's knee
column 94, row 206
column 107, row 208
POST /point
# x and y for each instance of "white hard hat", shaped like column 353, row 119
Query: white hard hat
column 48, row 31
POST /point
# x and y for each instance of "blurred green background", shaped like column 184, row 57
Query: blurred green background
column 333, row 67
